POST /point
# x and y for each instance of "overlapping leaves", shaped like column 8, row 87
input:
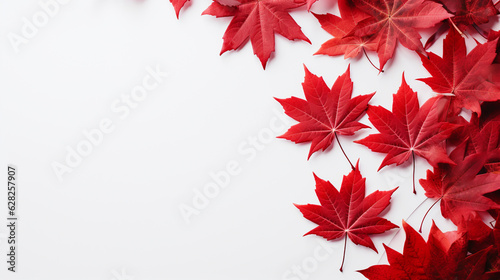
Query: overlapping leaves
column 464, row 152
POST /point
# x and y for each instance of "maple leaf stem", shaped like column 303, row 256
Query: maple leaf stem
column 413, row 163
column 498, row 2
column 343, row 256
column 422, row 223
column 338, row 141
column 480, row 31
column 456, row 28
column 364, row 51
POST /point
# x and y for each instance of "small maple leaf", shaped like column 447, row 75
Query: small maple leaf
column 462, row 77
column 397, row 20
column 348, row 213
column 326, row 113
column 459, row 187
column 340, row 27
column 409, row 130
column 443, row 256
column 257, row 20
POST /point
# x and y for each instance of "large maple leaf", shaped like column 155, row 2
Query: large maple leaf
column 339, row 27
column 460, row 188
column 257, row 20
column 397, row 20
column 409, row 130
column 326, row 113
column 443, row 256
column 463, row 77
column 348, row 213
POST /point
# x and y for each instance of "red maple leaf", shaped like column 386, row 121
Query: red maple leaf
column 339, row 27
column 463, row 77
column 484, row 138
column 348, row 213
column 482, row 236
column 494, row 259
column 484, row 135
column 466, row 13
column 309, row 4
column 480, row 132
column 477, row 231
column 443, row 256
column 178, row 4
column 460, row 188
column 469, row 12
column 326, row 113
column 492, row 36
column 397, row 20
column 409, row 130
column 258, row 20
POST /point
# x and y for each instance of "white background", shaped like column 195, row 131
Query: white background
column 116, row 215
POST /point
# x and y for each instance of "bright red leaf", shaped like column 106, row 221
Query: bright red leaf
column 409, row 130
column 348, row 213
column 397, row 20
column 443, row 256
column 339, row 27
column 461, row 76
column 460, row 188
column 178, row 4
column 258, row 20
column 309, row 4
column 326, row 113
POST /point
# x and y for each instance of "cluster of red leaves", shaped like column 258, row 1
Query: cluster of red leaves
column 466, row 181
column 464, row 154
column 363, row 25
column 377, row 25
column 471, row 252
